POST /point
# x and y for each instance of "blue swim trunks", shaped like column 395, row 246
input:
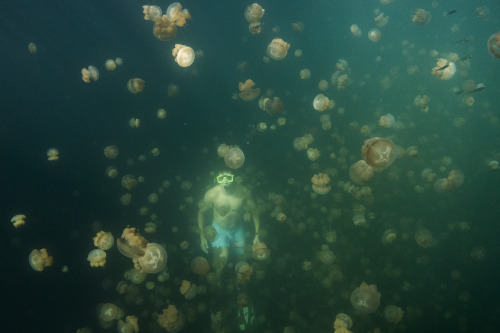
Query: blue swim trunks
column 230, row 238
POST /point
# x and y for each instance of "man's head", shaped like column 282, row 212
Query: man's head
column 225, row 178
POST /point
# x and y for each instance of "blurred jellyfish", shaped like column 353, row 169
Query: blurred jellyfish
column 305, row 74
column 379, row 153
column 355, row 31
column 90, row 73
column 254, row 13
column 52, row 154
column 277, row 49
column 424, row 238
column 111, row 152
column 393, row 314
column 104, row 240
column 360, row 172
column 321, row 102
column 313, row 154
column 374, row 35
column 200, row 266
column 135, row 85
column 298, row 27
column 184, row 55
column 32, row 48
column 494, row 45
column 164, row 29
column 234, row 158
column 247, row 92
column 444, row 69
column 271, row 106
column 387, row 121
column 321, row 184
column 365, row 298
column 110, row 64
column 39, row 259
column 389, row 236
column 171, row 319
column 358, row 215
column 18, row 220
column 151, row 13
column 260, row 251
column 421, row 17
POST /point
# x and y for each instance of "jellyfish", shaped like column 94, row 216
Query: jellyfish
column 389, row 236
column 18, row 220
column 200, row 265
column 111, row 171
column 358, row 215
column 444, row 69
column 109, row 312
column 131, row 244
column 130, row 325
column 305, row 74
column 111, row 152
column 161, row 113
column 421, row 16
column 171, row 319
column 494, row 45
column 234, row 158
column 97, row 258
column 247, row 92
column 424, row 238
column 321, row 184
column 342, row 321
column 277, row 49
column 243, row 271
column 393, row 314
column 478, row 253
column 374, row 35
column 135, row 85
column 254, row 13
column 326, row 123
column 210, row 233
column 164, row 29
column 151, row 13
column 154, row 259
column 365, row 298
column 313, row 154
column 322, row 85
column 321, row 102
column 188, row 289
column 110, row 64
column 177, row 15
column 378, row 153
column 355, row 31
column 173, row 90
column 455, row 179
column 360, row 172
column 184, row 55
column 32, row 48
column 104, row 240
column 387, row 121
column 39, row 259
column 260, row 251
column 90, row 73
column 129, row 182
column 135, row 276
column 326, row 256
column 126, row 199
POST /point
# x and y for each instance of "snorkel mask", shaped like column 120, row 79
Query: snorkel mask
column 225, row 178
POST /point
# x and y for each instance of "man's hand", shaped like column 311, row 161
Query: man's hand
column 204, row 244
column 256, row 239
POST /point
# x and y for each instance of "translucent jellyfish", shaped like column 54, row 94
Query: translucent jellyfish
column 326, row 123
column 161, row 114
column 355, row 31
column 234, row 158
column 358, row 215
column 313, row 154
column 455, row 179
column 378, row 153
column 109, row 312
column 393, row 314
column 135, row 276
column 171, row 319
column 494, row 45
column 365, row 298
column 298, row 27
column 154, row 259
column 243, row 271
column 39, row 259
column 260, row 251
column 444, row 69
column 421, row 17
column 164, row 29
column 184, row 55
column 322, row 85
column 277, row 49
column 135, row 85
column 130, row 325
column 111, row 152
column 210, row 233
column 326, row 256
column 131, row 244
column 374, row 35
column 342, row 321
column 177, row 15
column 32, row 48
column 387, row 121
column 110, row 64
column 18, row 220
column 90, row 73
column 478, row 253
column 271, row 106
column 104, row 240
column 111, row 171
column 321, row 102
column 254, row 13
column 129, row 182
column 360, row 172
column 305, row 74
column 389, row 236
column 321, row 184
column 200, row 265
column 97, row 258
column 151, row 13
column 424, row 238
column 247, row 92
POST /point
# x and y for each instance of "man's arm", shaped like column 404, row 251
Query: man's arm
column 204, row 206
column 255, row 216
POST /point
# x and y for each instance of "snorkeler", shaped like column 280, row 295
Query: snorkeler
column 228, row 202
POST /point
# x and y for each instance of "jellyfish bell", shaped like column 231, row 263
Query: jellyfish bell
column 393, row 314
column 355, row 31
column 321, row 184
column 305, row 74
column 184, row 55
column 110, row 64
column 360, row 172
column 151, row 12
column 365, row 298
column 378, row 153
column 97, row 258
column 222, row 149
column 173, row 11
column 260, row 251
column 254, row 13
column 128, row 250
column 374, row 35
column 200, row 266
column 135, row 85
column 39, row 259
column 494, row 45
column 104, row 240
column 154, row 259
column 444, row 69
column 387, row 121
column 163, row 29
column 277, row 49
column 234, row 158
column 321, row 102
column 18, row 220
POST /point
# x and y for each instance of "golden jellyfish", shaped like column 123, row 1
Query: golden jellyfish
column 134, row 123
column 104, row 240
column 326, row 123
column 222, row 149
column 342, row 321
column 135, row 85
column 260, row 251
column 305, row 74
column 177, row 15
column 32, row 48
column 355, row 31
column 234, row 158
column 478, row 253
column 298, row 27
column 126, row 199
column 421, row 17
column 298, row 53
column 110, row 65
column 39, row 259
column 131, row 244
column 52, row 154
column 135, row 276
column 111, row 171
column 154, row 259
column 494, row 45
column 321, row 102
column 210, row 233
column 109, row 312
column 455, row 179
column 188, row 289
column 255, row 28
column 243, row 271
column 111, row 152
column 277, row 49
column 323, row 85
column 271, row 106
column 393, row 314
column 164, row 29
column 365, row 298
column 200, row 266
column 313, row 154
column 444, row 69
column 150, row 227
column 360, row 172
column 358, row 215
column 171, row 319
column 321, row 184
column 374, row 35
column 387, row 121
column 130, row 325
column 129, row 182
column 161, row 113
column 97, row 258
column 90, row 73
column 254, row 13
column 18, row 220
column 379, row 153
column 151, row 13
column 184, row 55
column 389, row 236
column 247, row 92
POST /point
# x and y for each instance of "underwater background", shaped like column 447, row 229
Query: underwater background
column 449, row 284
